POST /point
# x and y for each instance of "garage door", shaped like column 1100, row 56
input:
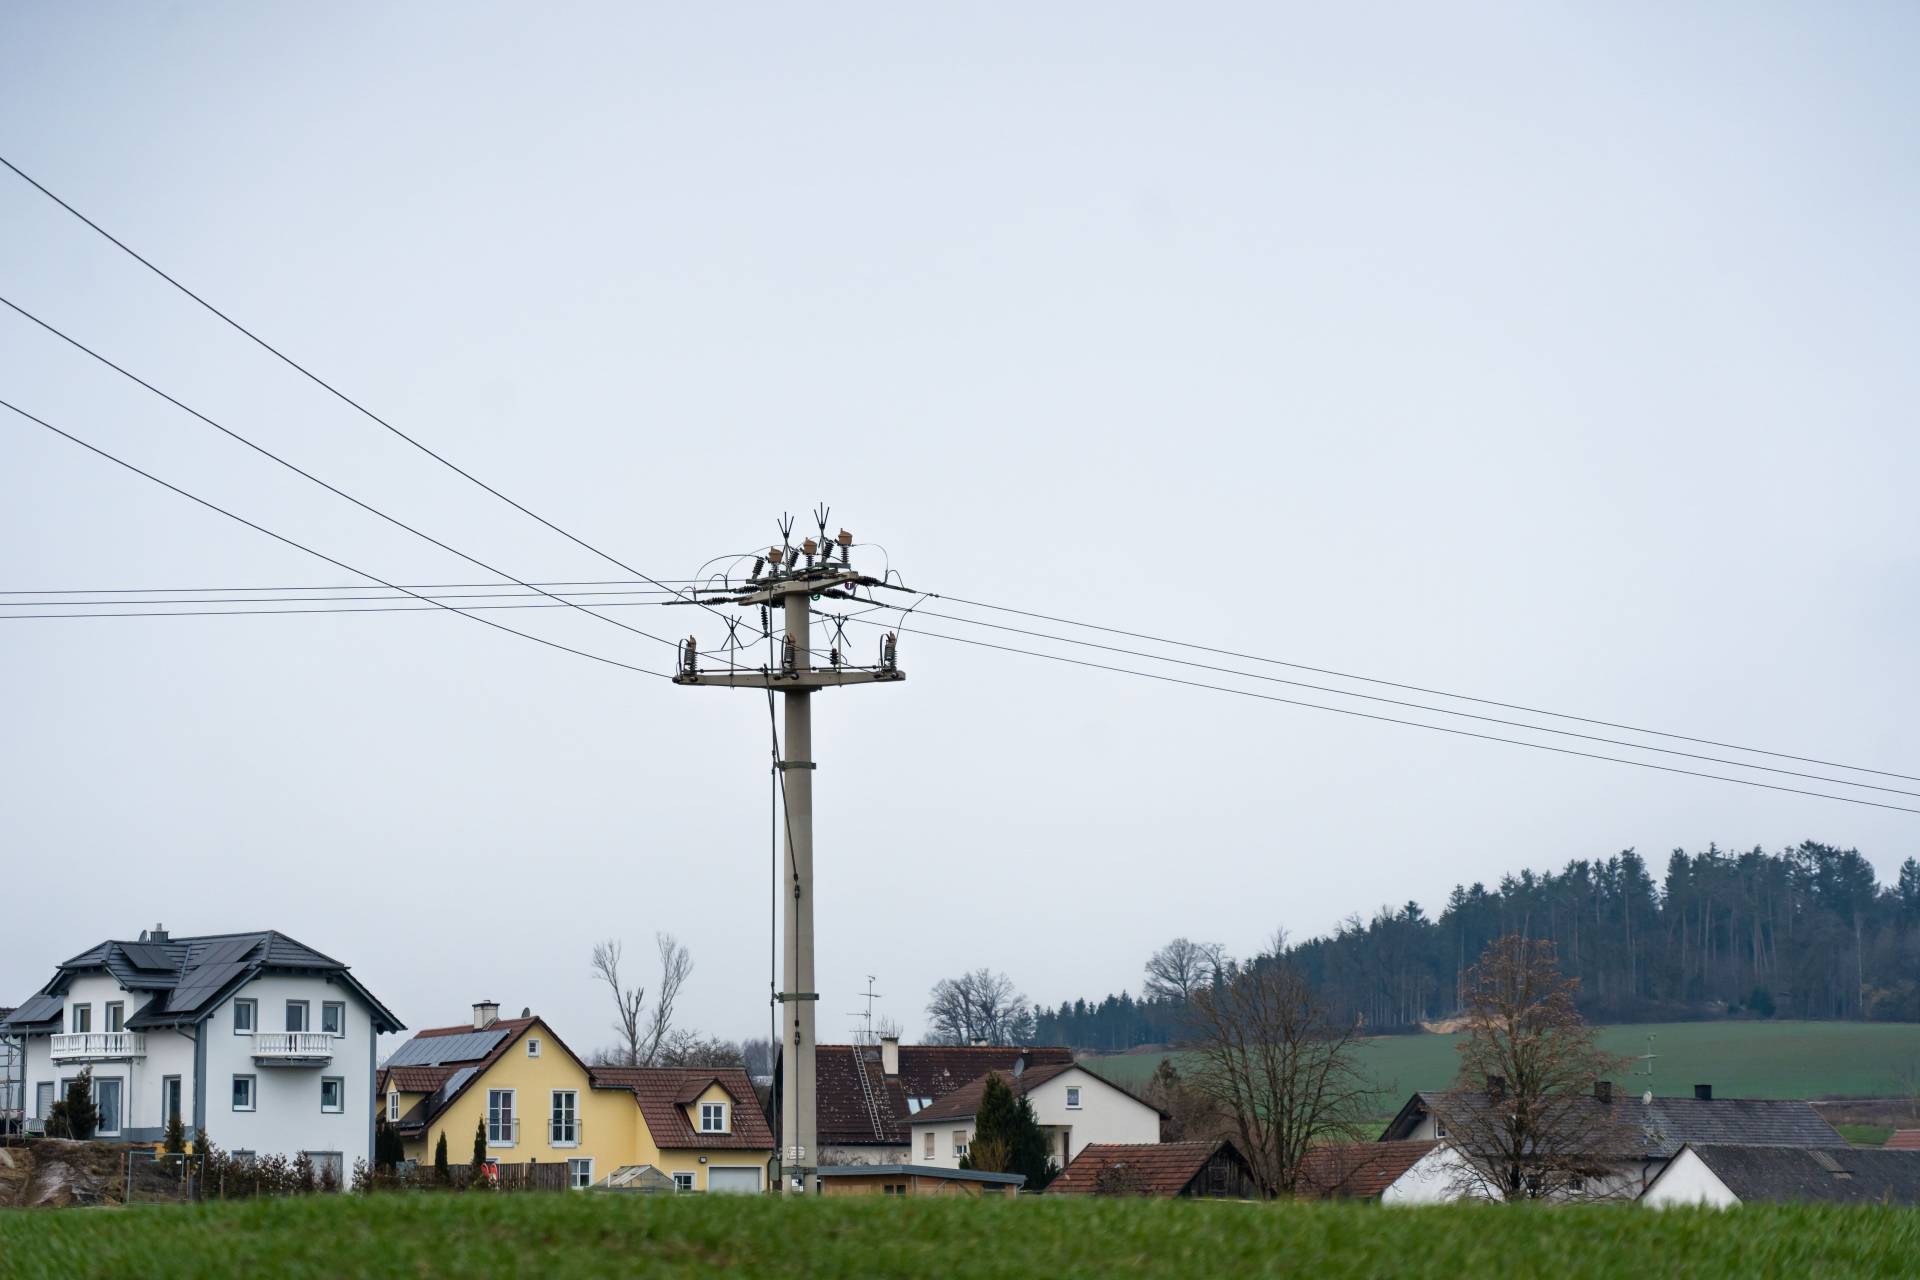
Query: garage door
column 735, row 1180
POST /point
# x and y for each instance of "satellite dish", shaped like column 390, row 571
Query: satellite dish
column 1646, row 1099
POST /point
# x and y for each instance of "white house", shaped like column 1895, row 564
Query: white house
column 265, row 1043
column 1720, row 1175
column 1074, row 1106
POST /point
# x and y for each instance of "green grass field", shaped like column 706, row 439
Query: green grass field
column 1739, row 1059
column 556, row 1237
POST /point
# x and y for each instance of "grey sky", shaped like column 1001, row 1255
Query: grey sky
column 1552, row 354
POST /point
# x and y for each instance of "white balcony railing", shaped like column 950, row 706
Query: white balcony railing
column 83, row 1046
column 565, row 1133
column 503, row 1133
column 292, row 1046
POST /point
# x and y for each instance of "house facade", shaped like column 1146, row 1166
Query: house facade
column 866, row 1095
column 1074, row 1108
column 537, row 1101
column 257, row 1038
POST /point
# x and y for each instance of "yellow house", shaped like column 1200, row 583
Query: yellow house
column 537, row 1101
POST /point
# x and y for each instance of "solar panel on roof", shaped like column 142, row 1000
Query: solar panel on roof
column 430, row 1051
column 142, row 955
column 200, row 983
column 226, row 951
column 38, row 1009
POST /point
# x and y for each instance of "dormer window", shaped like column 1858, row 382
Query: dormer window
column 713, row 1117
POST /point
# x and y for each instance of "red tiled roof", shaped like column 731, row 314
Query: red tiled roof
column 926, row 1071
column 416, row 1079
column 1152, row 1168
column 658, row 1090
column 965, row 1101
column 1357, row 1170
column 1905, row 1140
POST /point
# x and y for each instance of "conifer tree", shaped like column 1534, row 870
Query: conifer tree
column 440, row 1172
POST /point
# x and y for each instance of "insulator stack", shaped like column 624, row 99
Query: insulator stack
column 759, row 563
column 690, row 655
column 766, row 621
column 889, row 651
column 787, row 654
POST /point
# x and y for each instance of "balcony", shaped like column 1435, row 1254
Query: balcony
column 565, row 1132
column 99, row 1046
column 292, row 1048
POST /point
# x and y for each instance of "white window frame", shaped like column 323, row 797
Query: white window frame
column 253, row 1092
column 500, row 1119
column 393, row 1105
column 340, row 1107
column 959, row 1143
column 170, row 1086
column 114, row 1012
column 533, row 1046
column 252, row 1007
column 1073, row 1097
column 686, row 1185
column 306, row 1015
column 119, row 1084
column 719, row 1110
column 329, row 1006
column 927, row 1144
column 573, row 1117
column 80, row 1019
column 575, row 1170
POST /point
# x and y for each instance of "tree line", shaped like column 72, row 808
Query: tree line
column 1807, row 933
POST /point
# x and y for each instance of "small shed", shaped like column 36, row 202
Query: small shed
column 1205, row 1170
column 914, row 1180
column 641, row 1178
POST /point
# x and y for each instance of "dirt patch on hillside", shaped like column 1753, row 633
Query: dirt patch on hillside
column 51, row 1173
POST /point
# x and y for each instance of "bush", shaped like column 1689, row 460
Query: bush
column 75, row 1116
column 440, row 1160
column 175, row 1142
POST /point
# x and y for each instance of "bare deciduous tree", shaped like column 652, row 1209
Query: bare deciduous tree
column 1286, row 1075
column 1531, row 1110
column 1182, row 967
column 978, row 1006
column 642, row 1032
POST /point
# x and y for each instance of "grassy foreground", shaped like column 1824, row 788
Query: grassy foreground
column 1775, row 1059
column 559, row 1236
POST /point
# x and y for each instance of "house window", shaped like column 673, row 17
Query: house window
column 333, row 1018
column 959, row 1143
column 246, row 1016
column 243, row 1093
column 580, row 1174
column 325, row 1163
column 106, row 1097
column 393, row 1106
column 169, row 1099
column 297, row 1015
column 713, row 1117
column 533, row 1046
column 683, row 1182
column 927, row 1145
column 116, row 1015
column 1073, row 1097
column 564, row 1128
column 80, row 1019
column 501, row 1130
column 43, row 1099
column 333, row 1094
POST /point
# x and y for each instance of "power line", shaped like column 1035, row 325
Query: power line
column 1414, row 706
column 1415, row 724
column 317, row 380
column 435, row 595
column 338, row 564
column 1414, row 688
column 265, row 452
column 433, row 603
column 351, row 586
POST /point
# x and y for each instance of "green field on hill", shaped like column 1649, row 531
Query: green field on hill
column 1739, row 1059
column 565, row 1236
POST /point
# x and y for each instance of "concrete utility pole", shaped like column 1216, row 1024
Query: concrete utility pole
column 792, row 578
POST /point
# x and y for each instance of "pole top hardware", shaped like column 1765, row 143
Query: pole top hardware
column 784, row 996
column 795, row 764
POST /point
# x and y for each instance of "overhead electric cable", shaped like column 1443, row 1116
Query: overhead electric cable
column 351, row 586
column 336, row 599
column 1400, row 702
column 265, row 452
column 1414, row 724
column 1414, row 688
column 433, row 602
column 317, row 380
column 321, row 555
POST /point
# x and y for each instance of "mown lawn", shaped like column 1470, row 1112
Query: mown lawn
column 558, row 1236
column 1774, row 1059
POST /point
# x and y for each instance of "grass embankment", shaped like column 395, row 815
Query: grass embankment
column 1739, row 1059
column 554, row 1237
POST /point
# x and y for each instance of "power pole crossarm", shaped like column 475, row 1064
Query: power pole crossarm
column 792, row 587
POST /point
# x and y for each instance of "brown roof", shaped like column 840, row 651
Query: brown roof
column 1905, row 1140
column 965, row 1101
column 1360, row 1170
column 697, row 1083
column 926, row 1071
column 658, row 1090
column 416, row 1079
column 1152, row 1168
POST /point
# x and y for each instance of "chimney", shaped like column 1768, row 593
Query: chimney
column 1603, row 1090
column 1496, row 1086
column 979, row 1042
column 485, row 1014
column 155, row 934
column 1703, row 1092
column 889, row 1055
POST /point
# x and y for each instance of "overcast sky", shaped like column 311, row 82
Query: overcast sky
column 1557, row 355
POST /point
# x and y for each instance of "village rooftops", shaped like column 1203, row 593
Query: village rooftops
column 1862, row 1175
column 1140, row 1168
column 664, row 1092
column 1653, row 1130
column 1358, row 1170
column 880, row 1112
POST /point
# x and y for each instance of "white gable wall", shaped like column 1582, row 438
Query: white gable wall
column 1687, row 1180
column 1105, row 1114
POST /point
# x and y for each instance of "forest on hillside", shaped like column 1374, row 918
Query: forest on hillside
column 1804, row 933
